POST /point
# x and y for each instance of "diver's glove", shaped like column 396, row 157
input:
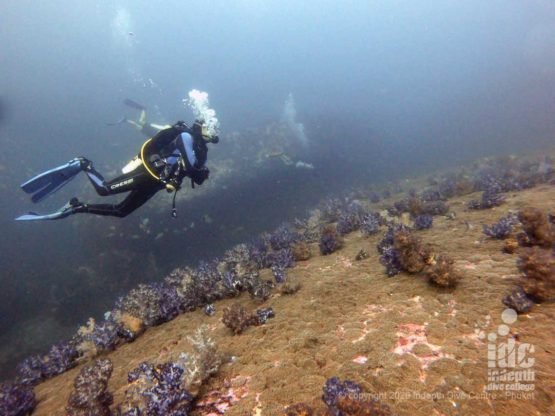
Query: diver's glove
column 198, row 176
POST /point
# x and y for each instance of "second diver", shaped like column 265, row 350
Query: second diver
column 164, row 161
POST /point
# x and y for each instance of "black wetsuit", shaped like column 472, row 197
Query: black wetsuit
column 171, row 155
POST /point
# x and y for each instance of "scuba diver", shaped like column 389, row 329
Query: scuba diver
column 163, row 162
column 148, row 129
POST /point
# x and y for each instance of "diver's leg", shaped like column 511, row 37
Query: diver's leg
column 142, row 117
column 134, row 124
column 134, row 200
column 124, row 183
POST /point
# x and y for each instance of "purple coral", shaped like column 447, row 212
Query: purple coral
column 283, row 237
column 518, row 300
column 34, row 369
column 423, row 222
column 16, row 399
column 370, row 223
column 390, row 258
column 490, row 198
column 334, row 389
column 279, row 261
column 502, row 229
column 264, row 314
column 329, row 241
column 331, row 208
column 258, row 251
column 60, row 358
column 161, row 391
column 90, row 395
column 350, row 218
column 30, row 370
column 374, row 197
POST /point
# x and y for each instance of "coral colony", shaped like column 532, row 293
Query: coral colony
column 170, row 388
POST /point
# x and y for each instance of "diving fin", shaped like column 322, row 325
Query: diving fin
column 117, row 123
column 134, row 104
column 67, row 210
column 50, row 181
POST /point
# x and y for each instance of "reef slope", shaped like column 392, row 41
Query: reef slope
column 417, row 346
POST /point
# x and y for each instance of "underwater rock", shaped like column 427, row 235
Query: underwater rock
column 330, row 241
column 16, row 399
column 537, row 226
column 538, row 267
column 90, row 395
column 209, row 309
column 518, row 300
column 361, row 255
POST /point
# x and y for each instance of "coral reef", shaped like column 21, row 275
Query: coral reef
column 538, row 267
column 299, row 409
column 350, row 218
column 203, row 363
column 401, row 250
column 260, row 289
column 90, row 395
column 283, row 237
column 238, row 319
column 413, row 256
column 348, row 399
column 351, row 406
column 330, row 241
column 441, row 272
column 370, row 223
column 301, row 251
column 538, row 229
column 502, row 229
column 510, row 245
column 16, row 399
column 423, row 222
column 156, row 390
column 280, row 260
column 490, row 198
column 389, row 256
column 334, row 389
column 518, row 300
column 61, row 357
